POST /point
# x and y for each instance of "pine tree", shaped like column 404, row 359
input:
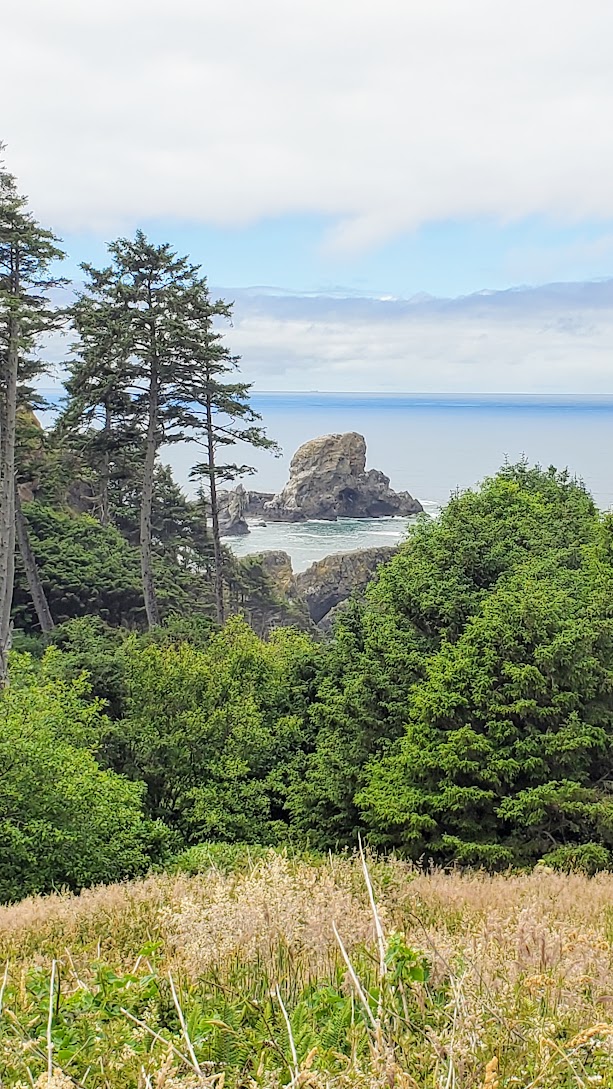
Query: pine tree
column 149, row 354
column 26, row 252
column 129, row 320
column 215, row 409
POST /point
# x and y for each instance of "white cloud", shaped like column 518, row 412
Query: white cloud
column 555, row 339
column 381, row 116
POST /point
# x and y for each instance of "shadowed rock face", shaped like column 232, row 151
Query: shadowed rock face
column 232, row 510
column 331, row 581
column 316, row 596
column 328, row 479
column 273, row 600
column 313, row 598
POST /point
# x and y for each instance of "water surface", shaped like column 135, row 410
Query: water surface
column 428, row 445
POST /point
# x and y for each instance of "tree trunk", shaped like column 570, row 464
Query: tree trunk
column 7, row 481
column 219, row 602
column 146, row 550
column 105, row 517
column 28, row 559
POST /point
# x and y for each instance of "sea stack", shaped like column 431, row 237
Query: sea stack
column 328, row 480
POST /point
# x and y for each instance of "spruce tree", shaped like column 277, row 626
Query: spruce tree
column 216, row 409
column 128, row 319
column 27, row 251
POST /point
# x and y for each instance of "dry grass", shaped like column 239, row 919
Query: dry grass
column 520, row 990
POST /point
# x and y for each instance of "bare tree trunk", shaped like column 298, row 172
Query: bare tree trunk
column 219, row 601
column 146, row 549
column 7, row 482
column 105, row 517
column 35, row 586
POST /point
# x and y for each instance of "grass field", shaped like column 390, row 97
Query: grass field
column 281, row 973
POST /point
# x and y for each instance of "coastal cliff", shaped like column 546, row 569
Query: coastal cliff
column 329, row 582
column 312, row 597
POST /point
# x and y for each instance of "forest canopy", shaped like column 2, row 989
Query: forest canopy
column 461, row 713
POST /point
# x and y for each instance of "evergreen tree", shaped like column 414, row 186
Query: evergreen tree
column 149, row 353
column 507, row 750
column 26, row 252
column 216, row 409
column 426, row 596
column 129, row 321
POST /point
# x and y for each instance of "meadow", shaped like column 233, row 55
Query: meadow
column 327, row 972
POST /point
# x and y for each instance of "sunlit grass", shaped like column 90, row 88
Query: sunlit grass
column 238, row 979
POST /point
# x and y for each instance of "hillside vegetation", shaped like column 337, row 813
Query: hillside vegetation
column 461, row 714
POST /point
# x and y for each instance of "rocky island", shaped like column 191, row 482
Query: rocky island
column 328, row 480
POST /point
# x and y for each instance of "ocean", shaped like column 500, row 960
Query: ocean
column 428, row 445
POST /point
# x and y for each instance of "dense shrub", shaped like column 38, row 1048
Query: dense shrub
column 63, row 820
column 216, row 732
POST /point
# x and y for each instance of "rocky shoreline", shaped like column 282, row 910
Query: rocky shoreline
column 312, row 599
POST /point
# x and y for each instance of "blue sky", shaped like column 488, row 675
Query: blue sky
column 447, row 258
column 340, row 146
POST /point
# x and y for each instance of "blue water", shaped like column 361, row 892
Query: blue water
column 428, row 445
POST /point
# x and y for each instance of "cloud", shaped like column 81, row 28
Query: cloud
column 553, row 339
column 380, row 116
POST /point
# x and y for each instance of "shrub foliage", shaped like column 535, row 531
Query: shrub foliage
column 461, row 714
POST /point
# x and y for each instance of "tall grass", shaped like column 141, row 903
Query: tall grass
column 290, row 973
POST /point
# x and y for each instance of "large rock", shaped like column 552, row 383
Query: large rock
column 328, row 582
column 257, row 503
column 328, row 479
column 232, row 512
column 270, row 595
column 273, row 596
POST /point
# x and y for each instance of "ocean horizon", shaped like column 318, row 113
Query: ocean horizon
column 399, row 400
column 430, row 444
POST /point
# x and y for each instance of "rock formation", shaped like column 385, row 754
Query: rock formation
column 233, row 508
column 271, row 598
column 329, row 582
column 277, row 597
column 257, row 501
column 328, row 479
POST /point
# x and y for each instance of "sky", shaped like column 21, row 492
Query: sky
column 334, row 152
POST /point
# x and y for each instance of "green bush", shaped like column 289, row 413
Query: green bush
column 64, row 822
column 588, row 858
column 235, row 857
column 216, row 732
column 90, row 646
column 228, row 857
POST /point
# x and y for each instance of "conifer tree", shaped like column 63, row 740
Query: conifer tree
column 129, row 320
column 27, row 251
column 217, row 410
column 149, row 354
